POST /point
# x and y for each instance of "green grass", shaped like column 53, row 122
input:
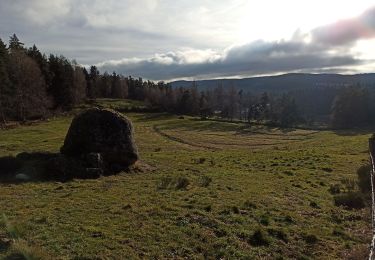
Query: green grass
column 117, row 104
column 213, row 189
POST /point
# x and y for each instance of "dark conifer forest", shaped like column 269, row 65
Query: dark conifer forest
column 34, row 85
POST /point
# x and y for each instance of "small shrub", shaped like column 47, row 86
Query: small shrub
column 200, row 160
column 303, row 257
column 364, row 178
column 204, row 181
column 181, row 222
column 264, row 220
column 219, row 232
column 259, row 238
column 13, row 230
column 314, row 205
column 21, row 250
column 310, row 238
column 164, row 183
column 327, row 169
column 350, row 200
column 157, row 149
column 340, row 233
column 127, row 207
column 178, row 183
column 337, row 216
column 288, row 219
column 235, row 210
column 334, row 188
column 224, row 212
column 349, row 184
column 279, row 234
column 182, row 183
column 289, row 173
column 208, row 208
column 250, row 205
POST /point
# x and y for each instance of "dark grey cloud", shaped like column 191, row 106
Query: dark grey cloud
column 131, row 28
column 255, row 58
column 88, row 30
column 347, row 31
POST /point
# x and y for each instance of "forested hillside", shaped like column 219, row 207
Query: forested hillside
column 286, row 82
column 34, row 85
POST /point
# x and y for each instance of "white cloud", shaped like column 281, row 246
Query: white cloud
column 164, row 39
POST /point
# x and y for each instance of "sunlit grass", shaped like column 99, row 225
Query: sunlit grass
column 216, row 189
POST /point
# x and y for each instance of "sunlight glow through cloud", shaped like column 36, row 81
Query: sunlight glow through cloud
column 116, row 34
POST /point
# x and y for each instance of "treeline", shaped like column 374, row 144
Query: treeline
column 343, row 107
column 33, row 85
column 231, row 104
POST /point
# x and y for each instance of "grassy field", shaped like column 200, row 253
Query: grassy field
column 206, row 190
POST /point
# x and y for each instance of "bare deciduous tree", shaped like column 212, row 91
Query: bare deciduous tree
column 30, row 98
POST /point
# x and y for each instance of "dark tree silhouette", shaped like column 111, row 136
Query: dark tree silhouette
column 351, row 108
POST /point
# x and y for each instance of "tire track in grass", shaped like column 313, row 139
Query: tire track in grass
column 179, row 140
column 213, row 146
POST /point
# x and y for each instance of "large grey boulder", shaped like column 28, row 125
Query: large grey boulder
column 101, row 136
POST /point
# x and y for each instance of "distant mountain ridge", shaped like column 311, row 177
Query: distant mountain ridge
column 285, row 82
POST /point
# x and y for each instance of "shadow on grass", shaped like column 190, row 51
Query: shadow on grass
column 27, row 167
column 44, row 166
column 354, row 132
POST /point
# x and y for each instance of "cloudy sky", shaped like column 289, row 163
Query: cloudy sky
column 195, row 39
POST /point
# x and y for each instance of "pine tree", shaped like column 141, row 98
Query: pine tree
column 105, row 85
column 287, row 111
column 42, row 61
column 232, row 99
column 15, row 44
column 62, row 87
column 5, row 84
column 118, row 88
column 93, row 82
column 351, row 108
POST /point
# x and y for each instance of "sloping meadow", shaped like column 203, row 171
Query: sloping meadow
column 203, row 189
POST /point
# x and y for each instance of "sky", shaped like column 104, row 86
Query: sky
column 199, row 39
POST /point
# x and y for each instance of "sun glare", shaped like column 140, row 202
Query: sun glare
column 274, row 20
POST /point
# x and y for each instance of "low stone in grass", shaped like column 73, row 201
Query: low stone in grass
column 22, row 177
